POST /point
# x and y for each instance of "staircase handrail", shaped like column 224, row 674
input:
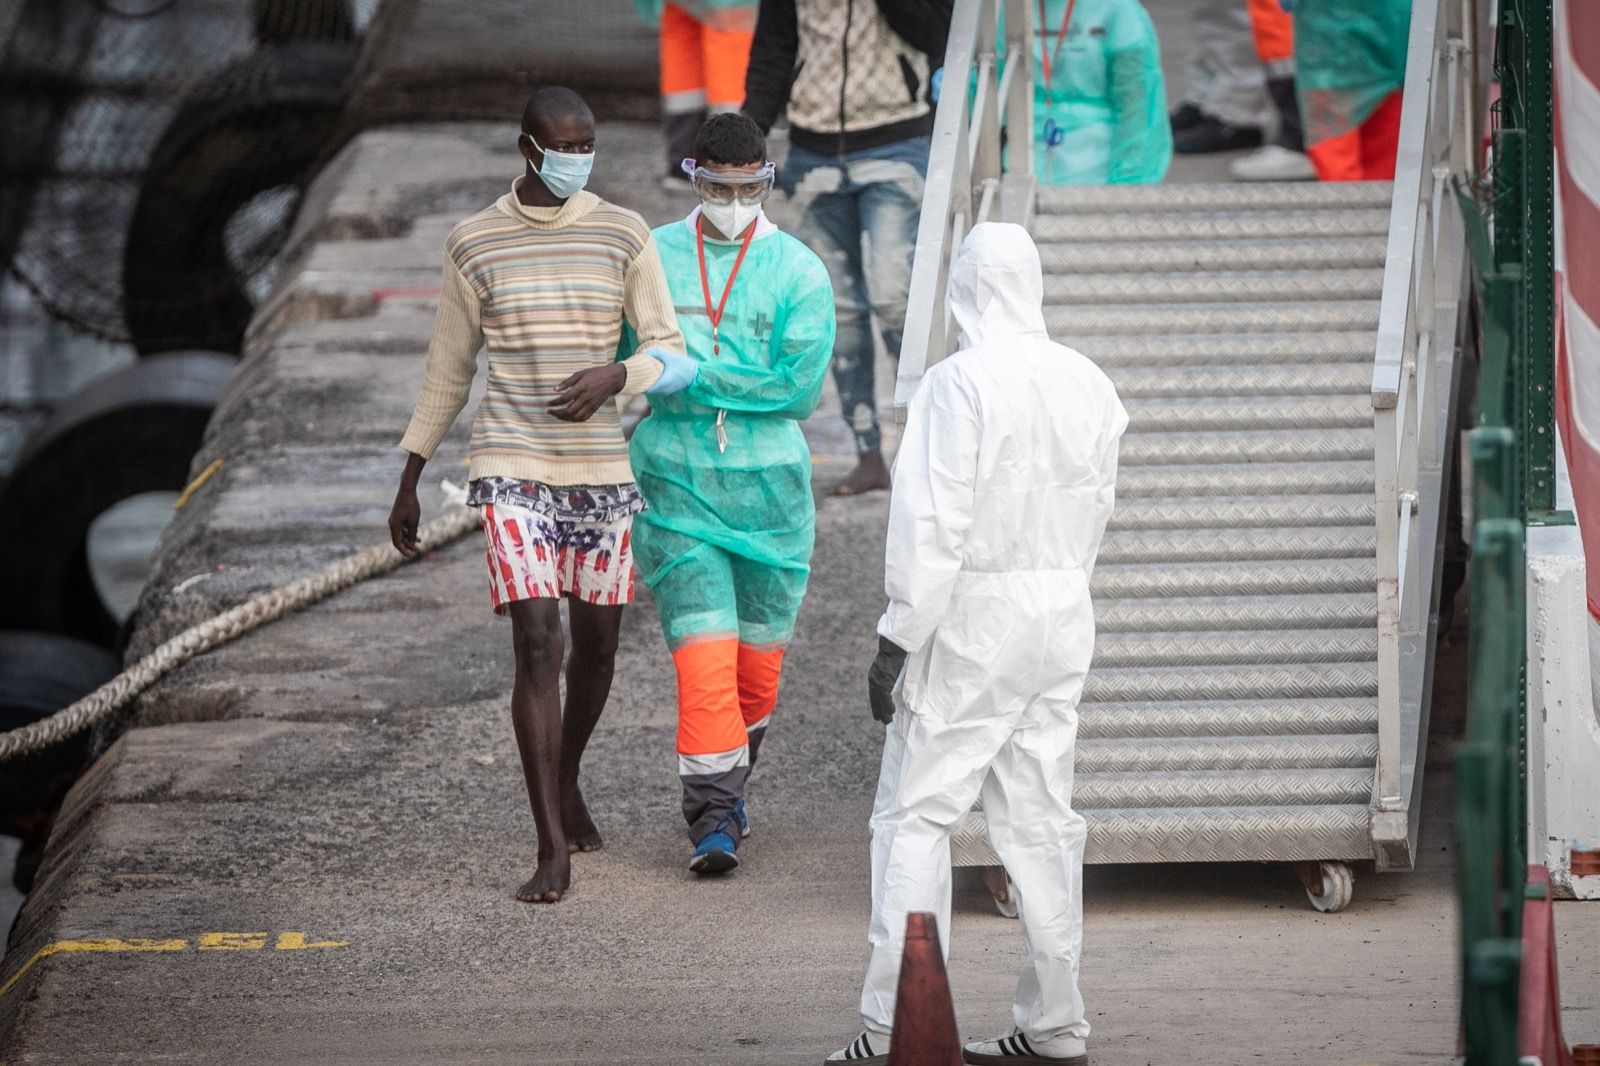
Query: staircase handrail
column 974, row 169
column 1412, row 370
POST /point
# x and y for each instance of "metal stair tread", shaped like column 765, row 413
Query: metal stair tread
column 1302, row 751
column 1288, row 379
column 1215, row 287
column 1202, row 834
column 1214, row 196
column 1127, row 228
column 1253, row 577
column 1200, row 512
column 1190, row 318
column 1227, row 717
column 1176, row 614
column 1155, row 448
column 1304, row 413
column 1236, row 544
column 1091, row 257
column 1217, row 349
column 1231, row 682
column 1244, row 479
column 1112, row 790
column 1234, row 646
column 1229, row 834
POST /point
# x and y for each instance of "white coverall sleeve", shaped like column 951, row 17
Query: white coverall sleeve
column 1105, row 497
column 930, row 508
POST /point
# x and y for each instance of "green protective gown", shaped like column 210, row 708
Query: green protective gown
column 1103, row 117
column 726, row 541
column 720, row 14
column 1349, row 55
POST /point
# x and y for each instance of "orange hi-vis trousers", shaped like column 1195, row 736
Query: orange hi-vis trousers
column 702, row 69
column 702, row 65
column 1365, row 153
column 1273, row 29
column 726, row 694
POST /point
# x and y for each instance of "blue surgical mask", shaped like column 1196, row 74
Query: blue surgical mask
column 563, row 173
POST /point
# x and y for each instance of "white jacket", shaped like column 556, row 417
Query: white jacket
column 1003, row 486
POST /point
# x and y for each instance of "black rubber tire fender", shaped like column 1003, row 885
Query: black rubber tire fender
column 40, row 673
column 135, row 430
column 261, row 124
column 288, row 21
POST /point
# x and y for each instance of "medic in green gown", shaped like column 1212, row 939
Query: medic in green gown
column 1099, row 101
column 725, row 543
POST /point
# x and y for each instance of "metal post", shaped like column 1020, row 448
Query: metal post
column 1538, row 214
column 1019, row 104
column 1386, row 455
column 986, row 106
column 946, row 194
column 1489, row 806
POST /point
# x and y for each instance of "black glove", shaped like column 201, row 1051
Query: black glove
column 881, row 677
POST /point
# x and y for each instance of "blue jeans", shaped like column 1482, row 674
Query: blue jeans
column 859, row 213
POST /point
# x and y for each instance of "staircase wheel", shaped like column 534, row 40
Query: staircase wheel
column 135, row 430
column 1330, row 886
column 247, row 138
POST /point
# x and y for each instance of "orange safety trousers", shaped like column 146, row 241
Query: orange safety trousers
column 1273, row 29
column 726, row 690
column 726, row 693
column 702, row 66
column 1365, row 153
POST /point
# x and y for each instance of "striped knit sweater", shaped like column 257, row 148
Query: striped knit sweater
column 546, row 291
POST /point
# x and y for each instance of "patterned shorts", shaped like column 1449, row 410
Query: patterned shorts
column 535, row 556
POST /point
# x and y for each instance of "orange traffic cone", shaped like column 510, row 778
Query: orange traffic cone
column 924, row 1017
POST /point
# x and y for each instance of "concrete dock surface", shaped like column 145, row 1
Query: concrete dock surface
column 307, row 850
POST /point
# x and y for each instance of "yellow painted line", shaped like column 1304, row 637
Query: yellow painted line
column 232, row 941
column 220, row 941
column 200, row 479
column 298, row 942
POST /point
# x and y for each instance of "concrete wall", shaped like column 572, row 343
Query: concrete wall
column 1563, row 711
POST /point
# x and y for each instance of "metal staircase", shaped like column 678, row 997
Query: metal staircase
column 1232, row 709
column 1265, row 594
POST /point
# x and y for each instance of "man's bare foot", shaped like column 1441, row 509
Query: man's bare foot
column 871, row 473
column 576, row 824
column 549, row 882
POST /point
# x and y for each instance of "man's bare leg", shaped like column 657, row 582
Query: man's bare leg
column 536, row 717
column 871, row 473
column 593, row 660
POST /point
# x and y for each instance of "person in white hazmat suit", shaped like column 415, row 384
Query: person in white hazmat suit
column 1003, row 485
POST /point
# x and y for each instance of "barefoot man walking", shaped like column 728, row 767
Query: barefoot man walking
column 544, row 279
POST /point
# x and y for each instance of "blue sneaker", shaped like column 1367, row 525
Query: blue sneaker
column 715, row 854
column 742, row 818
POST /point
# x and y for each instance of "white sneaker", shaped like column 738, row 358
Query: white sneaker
column 1016, row 1050
column 1273, row 162
column 868, row 1048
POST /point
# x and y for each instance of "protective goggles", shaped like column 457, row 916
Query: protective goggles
column 722, row 186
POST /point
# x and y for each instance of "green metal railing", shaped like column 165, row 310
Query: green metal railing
column 1510, row 226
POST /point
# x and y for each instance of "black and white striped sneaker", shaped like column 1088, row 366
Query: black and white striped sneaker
column 1015, row 1050
column 866, row 1048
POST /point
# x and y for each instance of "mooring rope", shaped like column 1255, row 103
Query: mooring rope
column 255, row 612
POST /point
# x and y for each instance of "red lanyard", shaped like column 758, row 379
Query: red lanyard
column 1048, row 54
column 705, row 282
